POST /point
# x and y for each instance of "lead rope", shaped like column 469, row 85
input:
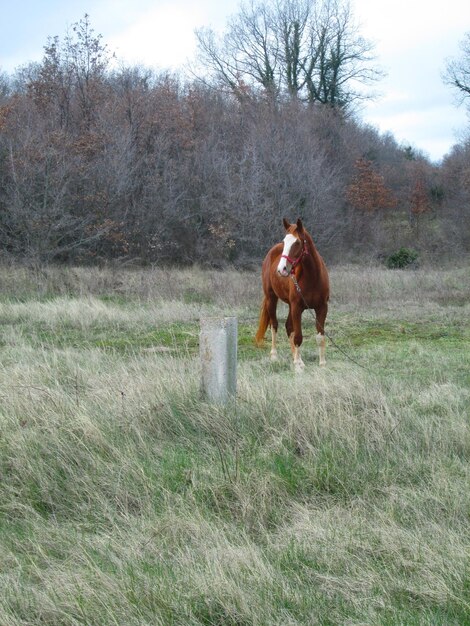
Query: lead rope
column 299, row 291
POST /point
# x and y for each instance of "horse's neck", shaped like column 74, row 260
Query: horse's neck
column 312, row 263
column 312, row 257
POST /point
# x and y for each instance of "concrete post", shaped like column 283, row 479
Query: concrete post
column 218, row 354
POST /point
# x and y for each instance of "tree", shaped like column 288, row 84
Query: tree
column 71, row 76
column 369, row 197
column 5, row 87
column 291, row 47
column 247, row 54
column 419, row 199
column 52, row 151
column 293, row 21
column 338, row 58
column 87, row 59
column 458, row 70
column 367, row 191
column 455, row 181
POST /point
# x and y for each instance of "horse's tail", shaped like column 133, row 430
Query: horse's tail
column 264, row 322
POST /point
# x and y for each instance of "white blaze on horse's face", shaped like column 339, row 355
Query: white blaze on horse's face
column 284, row 267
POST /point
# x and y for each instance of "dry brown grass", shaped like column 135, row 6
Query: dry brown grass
column 337, row 497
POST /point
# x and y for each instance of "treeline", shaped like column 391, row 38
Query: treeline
column 102, row 163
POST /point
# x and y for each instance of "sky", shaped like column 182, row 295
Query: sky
column 413, row 39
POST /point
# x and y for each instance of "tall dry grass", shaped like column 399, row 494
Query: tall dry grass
column 336, row 497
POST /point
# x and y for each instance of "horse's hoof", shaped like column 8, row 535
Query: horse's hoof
column 299, row 367
column 274, row 357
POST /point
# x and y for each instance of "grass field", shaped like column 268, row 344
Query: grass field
column 338, row 496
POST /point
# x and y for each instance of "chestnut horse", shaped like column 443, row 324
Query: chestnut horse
column 294, row 272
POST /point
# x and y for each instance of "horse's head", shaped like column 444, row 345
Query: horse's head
column 294, row 247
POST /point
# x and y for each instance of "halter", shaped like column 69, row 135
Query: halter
column 295, row 262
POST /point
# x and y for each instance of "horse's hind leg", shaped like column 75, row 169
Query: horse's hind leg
column 271, row 305
column 320, row 324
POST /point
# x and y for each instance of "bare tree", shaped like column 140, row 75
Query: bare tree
column 292, row 26
column 295, row 47
column 339, row 60
column 5, row 87
column 457, row 72
column 247, row 54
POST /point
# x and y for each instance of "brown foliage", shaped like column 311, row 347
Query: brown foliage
column 367, row 191
column 419, row 200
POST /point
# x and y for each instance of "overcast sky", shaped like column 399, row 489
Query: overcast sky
column 413, row 38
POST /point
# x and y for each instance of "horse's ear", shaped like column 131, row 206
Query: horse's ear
column 300, row 226
column 286, row 223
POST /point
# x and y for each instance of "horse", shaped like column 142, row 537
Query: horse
column 295, row 272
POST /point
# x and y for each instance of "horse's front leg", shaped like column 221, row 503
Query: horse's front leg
column 295, row 337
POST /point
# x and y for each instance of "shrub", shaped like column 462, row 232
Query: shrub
column 401, row 258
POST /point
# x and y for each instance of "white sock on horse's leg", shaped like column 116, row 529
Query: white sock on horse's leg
column 321, row 343
column 273, row 345
column 298, row 363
